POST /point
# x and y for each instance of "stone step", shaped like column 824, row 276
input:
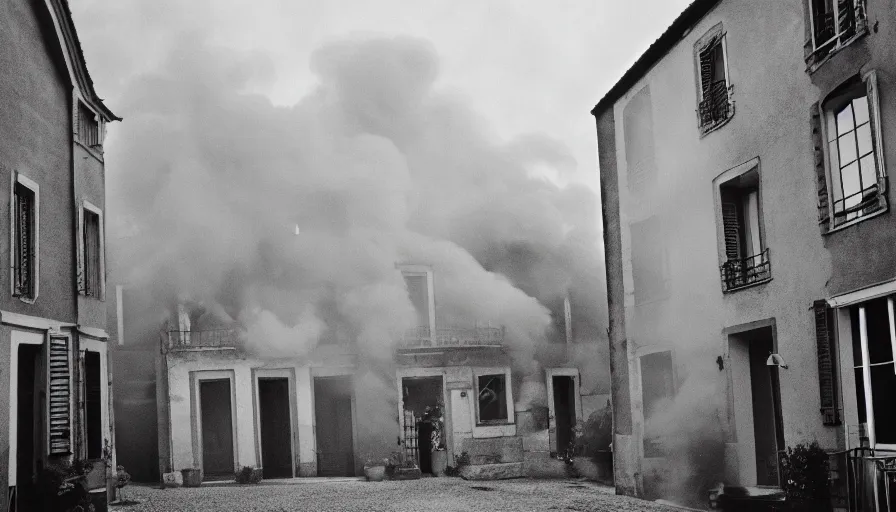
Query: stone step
column 493, row 471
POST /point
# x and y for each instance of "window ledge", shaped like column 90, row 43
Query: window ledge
column 706, row 130
column 812, row 68
column 853, row 222
column 92, row 151
column 744, row 287
column 26, row 300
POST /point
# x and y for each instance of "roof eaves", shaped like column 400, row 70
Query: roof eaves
column 692, row 14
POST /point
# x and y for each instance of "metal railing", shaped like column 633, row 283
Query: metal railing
column 206, row 338
column 420, row 337
column 870, row 201
column 745, row 271
column 716, row 105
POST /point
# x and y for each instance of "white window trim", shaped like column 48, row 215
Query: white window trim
column 869, row 80
column 866, row 372
column 505, row 426
column 18, row 178
column 76, row 124
column 87, row 205
column 98, row 346
column 423, row 271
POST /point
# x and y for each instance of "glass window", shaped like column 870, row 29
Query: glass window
column 24, row 249
column 879, row 364
column 492, row 399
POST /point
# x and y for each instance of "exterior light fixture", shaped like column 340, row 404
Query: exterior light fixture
column 776, row 360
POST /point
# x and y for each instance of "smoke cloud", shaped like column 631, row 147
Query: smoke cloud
column 376, row 166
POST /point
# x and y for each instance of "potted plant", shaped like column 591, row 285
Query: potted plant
column 805, row 477
column 62, row 487
column 439, row 456
column 375, row 469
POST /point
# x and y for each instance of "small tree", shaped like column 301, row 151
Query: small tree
column 805, row 477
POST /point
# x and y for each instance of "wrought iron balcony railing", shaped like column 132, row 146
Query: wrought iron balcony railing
column 745, row 271
column 716, row 106
column 222, row 337
column 447, row 337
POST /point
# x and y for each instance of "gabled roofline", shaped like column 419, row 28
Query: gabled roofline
column 679, row 28
column 74, row 57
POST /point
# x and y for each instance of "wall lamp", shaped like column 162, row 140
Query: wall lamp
column 776, row 360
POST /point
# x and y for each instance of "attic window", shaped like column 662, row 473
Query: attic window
column 88, row 127
column 715, row 107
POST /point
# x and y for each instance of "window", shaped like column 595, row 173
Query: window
column 657, row 389
column 491, row 392
column 88, row 127
column 91, row 272
column 637, row 125
column 25, row 238
column 856, row 175
column 93, row 405
column 833, row 24
column 649, row 261
column 746, row 259
column 715, row 105
column 418, row 281
column 873, row 344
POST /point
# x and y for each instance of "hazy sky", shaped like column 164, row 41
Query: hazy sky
column 525, row 66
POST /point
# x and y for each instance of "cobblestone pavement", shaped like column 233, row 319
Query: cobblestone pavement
column 428, row 494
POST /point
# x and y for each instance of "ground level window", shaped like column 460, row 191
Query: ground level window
column 657, row 388
column 492, row 401
column 873, row 342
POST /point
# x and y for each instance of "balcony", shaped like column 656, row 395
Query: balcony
column 716, row 107
column 227, row 337
column 745, row 272
column 452, row 337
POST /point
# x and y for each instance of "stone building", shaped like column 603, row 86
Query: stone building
column 222, row 406
column 55, row 404
column 749, row 239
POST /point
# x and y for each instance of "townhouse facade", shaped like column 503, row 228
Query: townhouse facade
column 55, row 404
column 749, row 238
column 326, row 412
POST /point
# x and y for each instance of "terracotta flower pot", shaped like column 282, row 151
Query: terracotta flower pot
column 375, row 473
column 439, row 462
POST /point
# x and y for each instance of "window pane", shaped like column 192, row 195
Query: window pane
column 863, row 133
column 869, row 171
column 860, row 395
column 850, row 178
column 492, row 398
column 93, row 405
column 844, row 120
column 860, row 107
column 856, row 340
column 846, row 146
column 883, row 385
column 877, row 320
column 419, row 295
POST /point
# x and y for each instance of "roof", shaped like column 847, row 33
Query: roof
column 74, row 56
column 679, row 28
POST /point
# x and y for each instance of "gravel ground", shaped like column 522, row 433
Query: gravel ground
column 427, row 494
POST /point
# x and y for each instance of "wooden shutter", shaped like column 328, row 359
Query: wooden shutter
column 707, row 70
column 731, row 225
column 827, row 378
column 876, row 135
column 59, row 385
column 821, row 178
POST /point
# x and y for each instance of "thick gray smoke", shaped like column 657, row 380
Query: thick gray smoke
column 375, row 167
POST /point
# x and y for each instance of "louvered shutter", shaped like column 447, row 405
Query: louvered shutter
column 731, row 226
column 707, row 70
column 821, row 179
column 827, row 379
column 59, row 401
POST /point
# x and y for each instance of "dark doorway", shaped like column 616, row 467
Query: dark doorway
column 766, row 416
column 564, row 411
column 29, row 439
column 217, row 428
column 276, row 431
column 333, row 426
column 420, row 395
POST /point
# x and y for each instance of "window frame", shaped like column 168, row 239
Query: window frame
column 508, row 394
column 812, row 46
column 95, row 150
column 752, row 165
column 20, row 179
column 866, row 365
column 82, row 257
column 867, row 80
column 639, row 354
column 409, row 270
column 703, row 44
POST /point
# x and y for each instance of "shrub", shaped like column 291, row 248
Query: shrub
column 804, row 477
column 63, row 487
column 248, row 475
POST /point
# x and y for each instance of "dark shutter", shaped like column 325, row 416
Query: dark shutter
column 731, row 226
column 59, row 403
column 821, row 179
column 707, row 70
column 827, row 379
